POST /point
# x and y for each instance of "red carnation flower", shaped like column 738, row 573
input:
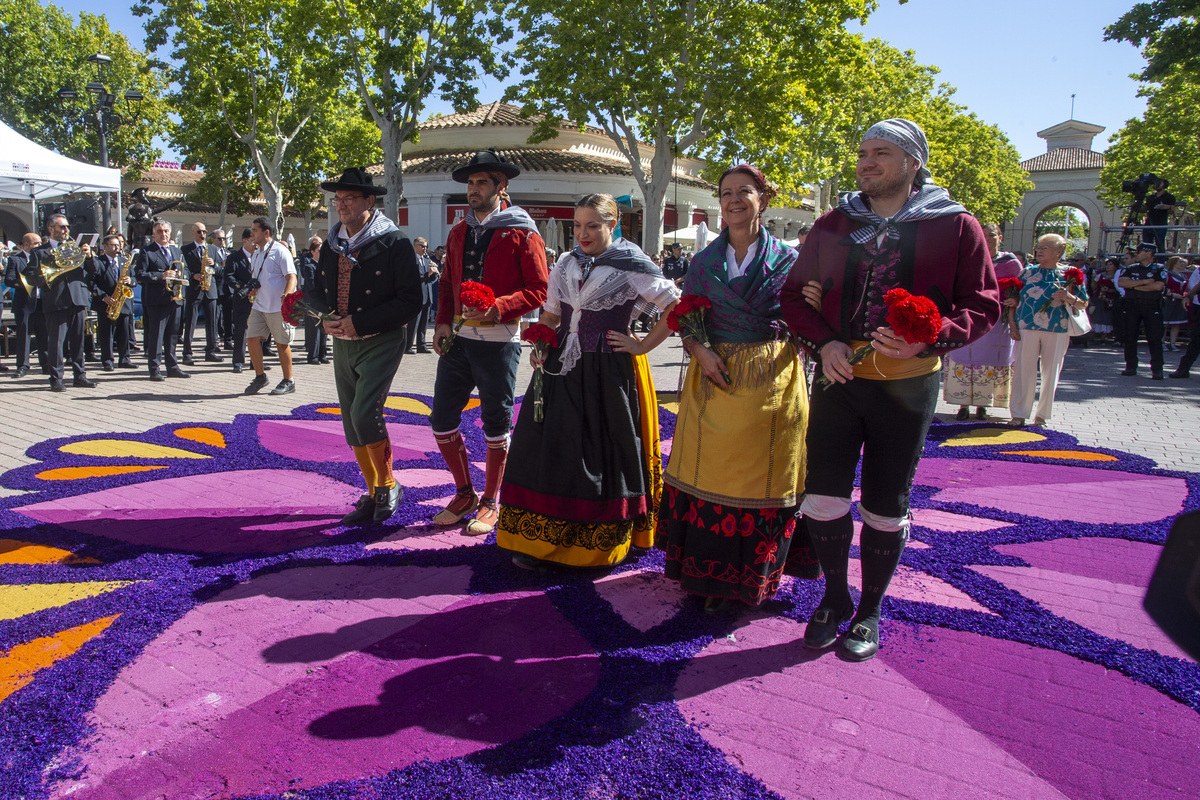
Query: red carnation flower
column 894, row 296
column 1074, row 275
column 1010, row 286
column 540, row 333
column 915, row 319
column 476, row 295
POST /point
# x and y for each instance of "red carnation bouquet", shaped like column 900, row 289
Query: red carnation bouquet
column 543, row 338
column 295, row 308
column 1011, row 288
column 1071, row 278
column 911, row 317
column 687, row 319
column 472, row 295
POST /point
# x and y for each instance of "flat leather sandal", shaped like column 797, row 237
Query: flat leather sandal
column 465, row 501
column 822, row 630
column 861, row 643
column 486, row 517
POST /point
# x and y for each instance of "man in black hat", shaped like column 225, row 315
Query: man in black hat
column 1143, row 282
column 367, row 276
column 496, row 244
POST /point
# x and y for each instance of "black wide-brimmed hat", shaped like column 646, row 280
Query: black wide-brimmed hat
column 486, row 161
column 355, row 179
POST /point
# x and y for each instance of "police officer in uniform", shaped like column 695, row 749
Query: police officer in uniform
column 1143, row 282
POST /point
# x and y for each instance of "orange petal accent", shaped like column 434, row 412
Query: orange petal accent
column 337, row 411
column 202, row 435
column 78, row 473
column 20, row 664
column 472, row 403
column 14, row 551
column 1074, row 455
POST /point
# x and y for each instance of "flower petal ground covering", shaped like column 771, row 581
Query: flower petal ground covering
column 182, row 615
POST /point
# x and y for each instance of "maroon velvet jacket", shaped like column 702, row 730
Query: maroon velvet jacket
column 945, row 259
column 514, row 266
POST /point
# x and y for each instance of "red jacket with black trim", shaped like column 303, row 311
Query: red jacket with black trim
column 514, row 267
column 945, row 259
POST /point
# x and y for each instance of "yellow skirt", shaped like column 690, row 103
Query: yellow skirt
column 744, row 446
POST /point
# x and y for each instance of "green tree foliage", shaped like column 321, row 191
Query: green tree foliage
column 404, row 51
column 338, row 136
column 1165, row 141
column 1054, row 220
column 43, row 49
column 656, row 74
column 267, row 64
column 1169, row 31
column 866, row 81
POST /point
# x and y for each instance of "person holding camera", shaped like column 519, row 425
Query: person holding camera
column 1143, row 282
column 1158, row 214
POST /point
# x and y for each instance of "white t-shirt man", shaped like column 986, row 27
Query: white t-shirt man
column 271, row 266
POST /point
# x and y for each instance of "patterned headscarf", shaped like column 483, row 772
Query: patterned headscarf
column 909, row 137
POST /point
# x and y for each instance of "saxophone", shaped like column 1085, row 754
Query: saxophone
column 206, row 271
column 120, row 294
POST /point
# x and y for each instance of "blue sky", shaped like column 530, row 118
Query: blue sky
column 1015, row 63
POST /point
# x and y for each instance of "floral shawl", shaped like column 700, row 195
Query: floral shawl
column 745, row 309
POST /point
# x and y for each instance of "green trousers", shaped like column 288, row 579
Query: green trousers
column 362, row 371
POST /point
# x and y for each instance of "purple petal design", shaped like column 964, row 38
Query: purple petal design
column 320, row 440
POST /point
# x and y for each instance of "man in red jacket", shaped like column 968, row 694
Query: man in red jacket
column 496, row 244
column 898, row 231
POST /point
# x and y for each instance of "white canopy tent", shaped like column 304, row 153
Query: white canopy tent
column 30, row 171
column 689, row 235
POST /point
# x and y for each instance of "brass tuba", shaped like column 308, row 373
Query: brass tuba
column 120, row 294
column 67, row 258
column 180, row 280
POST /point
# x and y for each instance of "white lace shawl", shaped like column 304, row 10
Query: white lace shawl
column 605, row 288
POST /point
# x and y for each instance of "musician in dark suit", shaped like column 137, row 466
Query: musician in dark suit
column 238, row 278
column 64, row 306
column 224, row 292
column 198, row 297
column 316, row 340
column 105, row 273
column 429, row 277
column 155, row 269
column 26, row 309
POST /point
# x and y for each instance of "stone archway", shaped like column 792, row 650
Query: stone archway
column 1040, row 227
column 1022, row 233
column 12, row 226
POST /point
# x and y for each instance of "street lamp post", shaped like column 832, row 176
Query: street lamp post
column 103, row 112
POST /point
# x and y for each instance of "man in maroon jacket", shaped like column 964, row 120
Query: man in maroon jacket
column 898, row 231
column 496, row 244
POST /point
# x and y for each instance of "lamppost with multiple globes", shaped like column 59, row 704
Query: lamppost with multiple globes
column 102, row 111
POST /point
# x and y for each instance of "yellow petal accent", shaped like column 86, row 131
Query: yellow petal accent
column 988, row 436
column 79, row 473
column 407, row 404
column 337, row 411
column 14, row 551
column 202, row 435
column 17, row 601
column 672, row 407
column 123, row 448
column 22, row 662
column 1075, row 455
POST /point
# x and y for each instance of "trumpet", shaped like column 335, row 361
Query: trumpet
column 180, row 280
column 67, row 258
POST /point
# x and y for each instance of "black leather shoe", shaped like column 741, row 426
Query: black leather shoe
column 157, row 377
column 1129, row 373
column 1175, row 374
column 963, row 414
column 177, row 373
column 822, row 630
column 387, row 499
column 214, row 358
column 107, row 367
column 188, row 361
column 23, row 371
column 286, row 386
column 238, row 367
column 1156, row 376
column 364, row 510
column 422, row 349
column 862, row 642
column 126, row 365
column 327, row 360
column 56, row 385
column 410, row 352
column 258, row 384
column 84, row 383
